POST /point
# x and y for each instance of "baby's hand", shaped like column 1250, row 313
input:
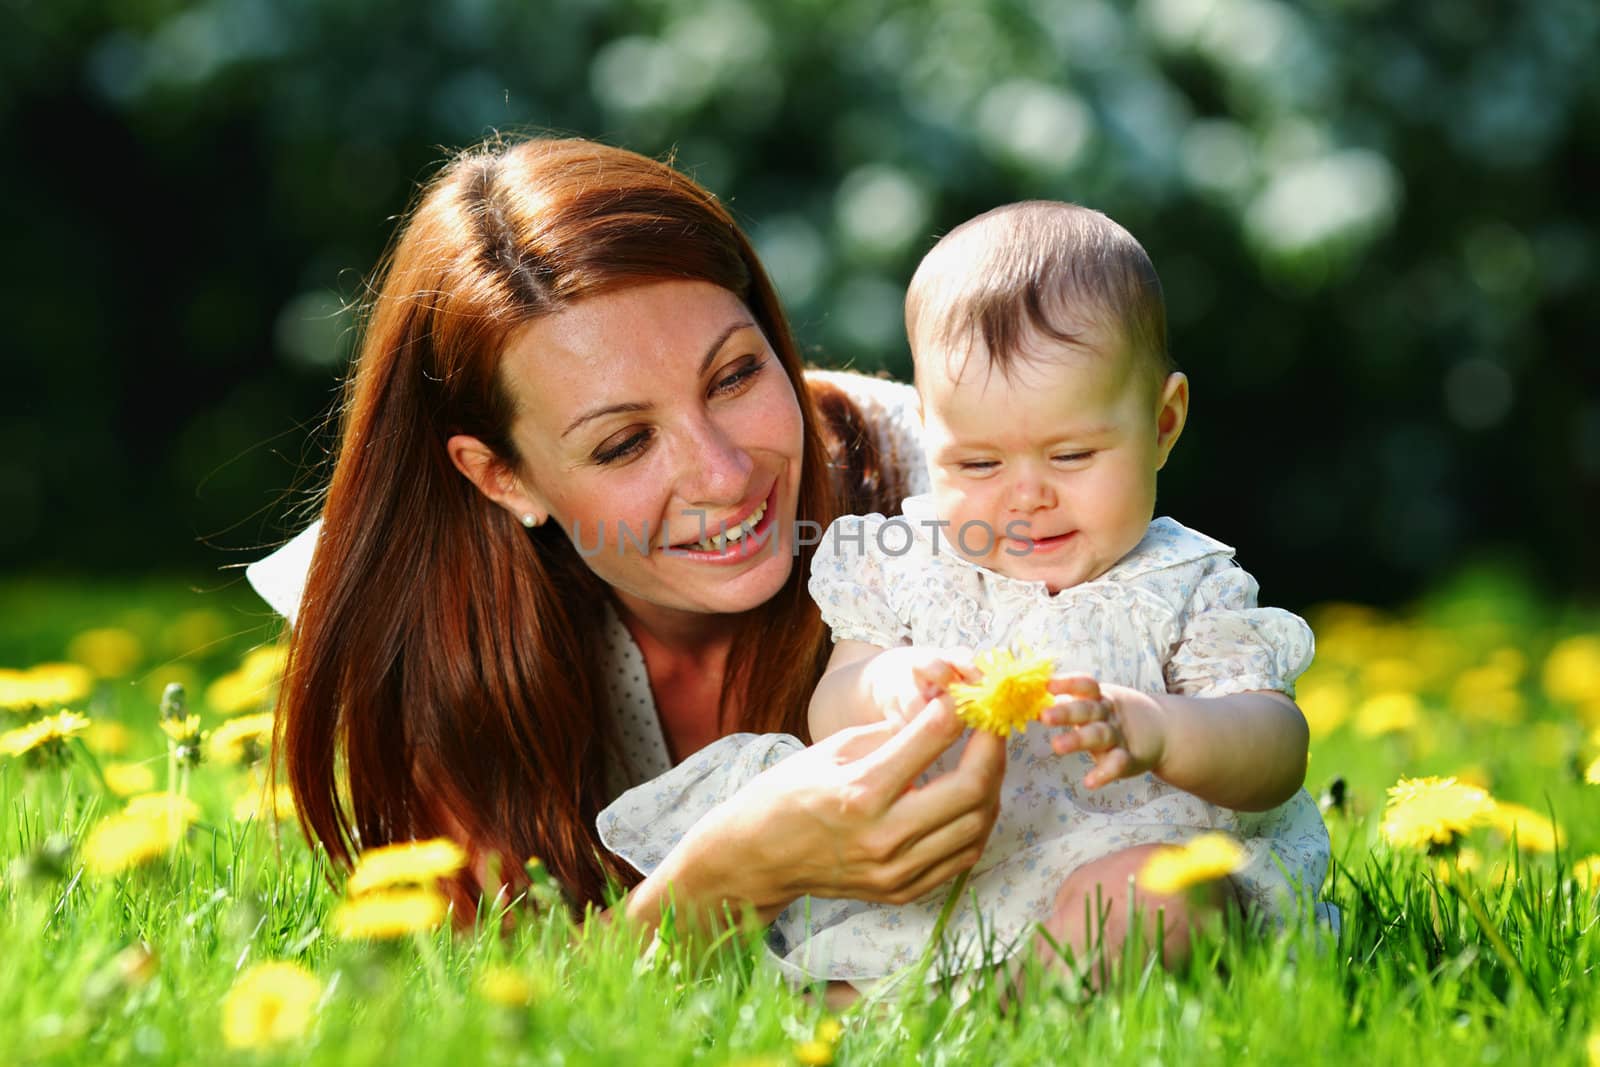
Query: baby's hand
column 1122, row 728
column 902, row 681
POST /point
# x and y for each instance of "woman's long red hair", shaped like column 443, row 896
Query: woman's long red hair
column 444, row 668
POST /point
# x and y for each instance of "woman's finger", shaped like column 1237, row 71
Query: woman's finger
column 966, row 831
column 974, row 785
column 897, row 761
column 935, row 876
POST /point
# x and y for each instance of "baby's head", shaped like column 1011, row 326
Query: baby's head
column 1048, row 398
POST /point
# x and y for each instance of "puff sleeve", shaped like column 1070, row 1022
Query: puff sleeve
column 647, row 822
column 1230, row 644
column 849, row 584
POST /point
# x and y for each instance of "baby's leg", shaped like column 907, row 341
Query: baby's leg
column 1091, row 916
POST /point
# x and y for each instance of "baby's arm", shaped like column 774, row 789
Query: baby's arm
column 864, row 683
column 1245, row 751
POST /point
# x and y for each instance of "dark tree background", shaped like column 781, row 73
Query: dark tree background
column 1375, row 221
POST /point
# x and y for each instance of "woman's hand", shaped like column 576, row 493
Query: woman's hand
column 845, row 819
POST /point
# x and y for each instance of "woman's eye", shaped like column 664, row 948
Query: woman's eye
column 740, row 377
column 628, row 446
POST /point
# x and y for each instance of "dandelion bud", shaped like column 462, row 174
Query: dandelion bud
column 174, row 703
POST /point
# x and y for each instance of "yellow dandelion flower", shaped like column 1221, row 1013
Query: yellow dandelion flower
column 505, row 986
column 126, row 779
column 252, row 685
column 164, row 806
column 51, row 730
column 45, row 685
column 270, row 1004
column 1388, row 713
column 109, row 738
column 122, row 841
column 1010, row 694
column 254, row 803
column 184, row 731
column 109, row 651
column 813, row 1053
column 830, row 1030
column 1204, row 859
column 1534, row 832
column 245, row 739
column 1572, row 670
column 1592, row 1047
column 1432, row 811
column 407, row 863
column 389, row 913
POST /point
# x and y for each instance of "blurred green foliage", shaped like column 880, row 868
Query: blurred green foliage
column 1374, row 221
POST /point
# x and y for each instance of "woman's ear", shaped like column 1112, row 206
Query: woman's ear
column 495, row 479
column 1172, row 412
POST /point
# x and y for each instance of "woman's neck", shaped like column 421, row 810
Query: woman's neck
column 686, row 660
column 683, row 636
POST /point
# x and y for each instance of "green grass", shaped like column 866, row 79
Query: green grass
column 1494, row 965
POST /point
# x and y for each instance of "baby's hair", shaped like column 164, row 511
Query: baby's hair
column 1037, row 267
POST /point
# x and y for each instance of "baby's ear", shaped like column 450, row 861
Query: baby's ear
column 1171, row 413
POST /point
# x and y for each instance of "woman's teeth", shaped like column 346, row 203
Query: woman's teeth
column 717, row 542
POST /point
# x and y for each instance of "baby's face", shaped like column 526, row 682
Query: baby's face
column 1051, row 469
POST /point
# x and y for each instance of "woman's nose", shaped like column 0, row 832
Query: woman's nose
column 715, row 469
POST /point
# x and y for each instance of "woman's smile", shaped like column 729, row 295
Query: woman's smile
column 734, row 539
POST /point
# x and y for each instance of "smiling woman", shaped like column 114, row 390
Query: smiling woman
column 558, row 555
column 661, row 419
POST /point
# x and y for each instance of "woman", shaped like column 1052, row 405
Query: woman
column 561, row 530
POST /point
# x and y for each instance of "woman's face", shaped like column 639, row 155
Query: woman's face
column 657, row 426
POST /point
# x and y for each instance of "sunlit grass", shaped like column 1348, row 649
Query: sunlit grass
column 1468, row 938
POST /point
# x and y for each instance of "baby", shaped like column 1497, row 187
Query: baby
column 1049, row 403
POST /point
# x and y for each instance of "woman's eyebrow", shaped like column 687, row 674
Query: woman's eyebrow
column 722, row 339
column 639, row 405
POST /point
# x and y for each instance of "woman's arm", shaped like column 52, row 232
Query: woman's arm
column 1245, row 751
column 842, row 818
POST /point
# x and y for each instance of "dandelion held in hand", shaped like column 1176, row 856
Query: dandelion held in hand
column 1433, row 812
column 1012, row 692
column 1205, row 859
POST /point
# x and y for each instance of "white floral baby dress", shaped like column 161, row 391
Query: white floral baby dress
column 1176, row 614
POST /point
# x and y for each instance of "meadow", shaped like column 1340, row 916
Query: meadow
column 158, row 907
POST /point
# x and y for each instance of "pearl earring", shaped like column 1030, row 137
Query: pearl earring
column 530, row 520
